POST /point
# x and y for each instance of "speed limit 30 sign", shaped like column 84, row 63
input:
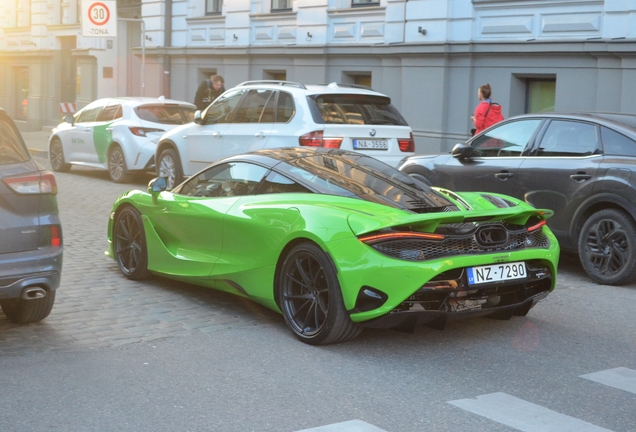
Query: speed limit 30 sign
column 99, row 18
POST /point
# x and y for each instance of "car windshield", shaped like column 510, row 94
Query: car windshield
column 166, row 114
column 359, row 109
column 352, row 175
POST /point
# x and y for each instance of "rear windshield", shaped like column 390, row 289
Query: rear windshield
column 12, row 149
column 357, row 109
column 166, row 114
column 352, row 175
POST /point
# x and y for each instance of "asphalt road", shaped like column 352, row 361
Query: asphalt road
column 164, row 356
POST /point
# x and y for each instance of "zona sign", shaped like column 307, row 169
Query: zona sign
column 99, row 18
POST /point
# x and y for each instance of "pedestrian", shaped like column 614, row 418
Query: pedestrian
column 487, row 112
column 209, row 90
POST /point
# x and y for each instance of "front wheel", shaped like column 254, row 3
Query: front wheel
column 169, row 166
column 607, row 247
column 117, row 165
column 21, row 311
column 129, row 244
column 311, row 299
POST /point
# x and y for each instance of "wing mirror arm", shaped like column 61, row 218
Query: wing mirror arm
column 462, row 151
column 156, row 186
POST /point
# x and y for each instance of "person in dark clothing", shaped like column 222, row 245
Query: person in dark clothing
column 487, row 112
column 209, row 90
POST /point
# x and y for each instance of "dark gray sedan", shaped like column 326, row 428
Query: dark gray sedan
column 579, row 165
column 30, row 231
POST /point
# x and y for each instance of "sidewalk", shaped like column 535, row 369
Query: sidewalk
column 37, row 142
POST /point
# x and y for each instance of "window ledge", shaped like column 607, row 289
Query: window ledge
column 206, row 18
column 365, row 10
column 274, row 15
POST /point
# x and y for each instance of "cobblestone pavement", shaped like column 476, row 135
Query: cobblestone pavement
column 96, row 306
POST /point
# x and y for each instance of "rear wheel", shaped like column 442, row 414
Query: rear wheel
column 169, row 166
column 56, row 156
column 311, row 299
column 21, row 311
column 129, row 244
column 607, row 247
column 117, row 165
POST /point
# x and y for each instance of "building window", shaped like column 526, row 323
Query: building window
column 357, row 78
column 212, row 7
column 358, row 3
column 275, row 75
column 540, row 95
column 281, row 5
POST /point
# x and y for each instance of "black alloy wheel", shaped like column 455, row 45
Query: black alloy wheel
column 311, row 299
column 56, row 157
column 129, row 244
column 117, row 165
column 607, row 247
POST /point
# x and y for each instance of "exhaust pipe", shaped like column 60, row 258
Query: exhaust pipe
column 32, row 293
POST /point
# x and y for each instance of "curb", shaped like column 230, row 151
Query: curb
column 39, row 153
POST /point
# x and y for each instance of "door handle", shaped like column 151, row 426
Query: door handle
column 216, row 134
column 87, row 129
column 259, row 135
column 109, row 129
column 504, row 175
column 580, row 177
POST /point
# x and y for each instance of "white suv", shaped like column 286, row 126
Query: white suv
column 268, row 114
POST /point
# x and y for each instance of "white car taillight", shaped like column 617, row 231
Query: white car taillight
column 316, row 139
column 37, row 183
column 142, row 131
column 407, row 145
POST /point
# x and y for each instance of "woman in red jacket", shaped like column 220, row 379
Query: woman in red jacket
column 487, row 112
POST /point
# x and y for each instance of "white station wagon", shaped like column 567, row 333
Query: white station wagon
column 117, row 134
column 267, row 114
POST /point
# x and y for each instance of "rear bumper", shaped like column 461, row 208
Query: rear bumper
column 20, row 270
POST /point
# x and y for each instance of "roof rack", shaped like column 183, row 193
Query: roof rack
column 275, row 82
column 360, row 86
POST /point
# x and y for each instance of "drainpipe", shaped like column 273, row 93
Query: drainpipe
column 167, row 42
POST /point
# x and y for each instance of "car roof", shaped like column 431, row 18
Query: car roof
column 313, row 89
column 137, row 101
column 625, row 122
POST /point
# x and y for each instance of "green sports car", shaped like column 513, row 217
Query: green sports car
column 337, row 241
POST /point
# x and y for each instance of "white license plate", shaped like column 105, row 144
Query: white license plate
column 370, row 144
column 496, row 273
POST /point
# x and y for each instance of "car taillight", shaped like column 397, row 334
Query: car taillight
column 142, row 131
column 316, row 139
column 377, row 238
column 56, row 239
column 537, row 226
column 407, row 145
column 39, row 183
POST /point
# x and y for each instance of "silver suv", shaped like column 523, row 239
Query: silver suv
column 30, row 231
column 268, row 114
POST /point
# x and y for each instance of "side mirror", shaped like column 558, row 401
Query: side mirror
column 157, row 185
column 68, row 118
column 197, row 117
column 462, row 151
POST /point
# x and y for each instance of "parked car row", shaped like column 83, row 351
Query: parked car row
column 124, row 135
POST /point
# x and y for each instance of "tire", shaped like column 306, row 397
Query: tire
column 310, row 298
column 607, row 247
column 56, row 157
column 129, row 244
column 22, row 311
column 419, row 177
column 117, row 165
column 169, row 165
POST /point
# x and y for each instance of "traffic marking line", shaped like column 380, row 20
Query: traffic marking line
column 620, row 378
column 525, row 416
column 348, row 426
